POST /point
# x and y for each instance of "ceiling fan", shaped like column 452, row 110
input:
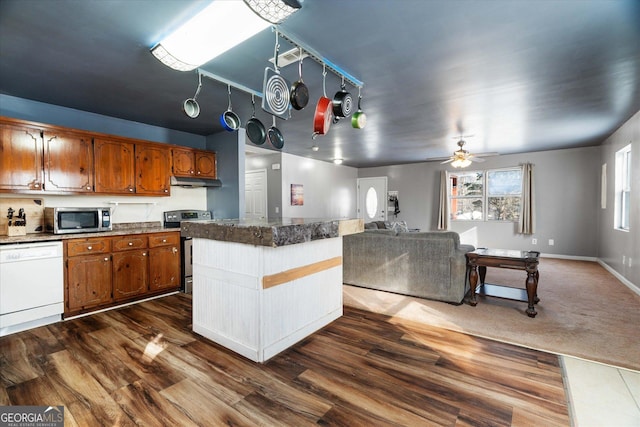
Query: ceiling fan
column 462, row 158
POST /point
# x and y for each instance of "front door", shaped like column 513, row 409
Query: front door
column 372, row 199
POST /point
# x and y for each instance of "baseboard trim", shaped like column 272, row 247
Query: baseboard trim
column 620, row 277
column 120, row 306
column 572, row 257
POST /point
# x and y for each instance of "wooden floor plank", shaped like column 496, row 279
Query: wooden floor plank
column 143, row 365
column 202, row 407
column 145, row 406
column 74, row 382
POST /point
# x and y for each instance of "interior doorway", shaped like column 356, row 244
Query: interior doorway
column 372, row 198
column 255, row 194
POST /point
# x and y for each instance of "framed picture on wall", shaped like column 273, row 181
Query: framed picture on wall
column 297, row 195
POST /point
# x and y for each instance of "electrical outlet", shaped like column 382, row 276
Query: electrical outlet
column 534, row 241
column 277, row 209
column 624, row 260
column 551, row 242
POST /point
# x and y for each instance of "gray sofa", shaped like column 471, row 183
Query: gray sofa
column 423, row 264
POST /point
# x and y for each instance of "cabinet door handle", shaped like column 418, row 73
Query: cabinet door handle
column 174, row 250
column 106, row 259
column 89, row 248
column 130, row 189
column 198, row 172
column 130, row 243
column 88, row 187
column 144, row 254
column 164, row 240
column 166, row 190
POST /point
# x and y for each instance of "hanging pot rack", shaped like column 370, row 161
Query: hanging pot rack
column 330, row 66
column 325, row 63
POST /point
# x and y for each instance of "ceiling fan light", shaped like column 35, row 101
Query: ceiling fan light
column 461, row 163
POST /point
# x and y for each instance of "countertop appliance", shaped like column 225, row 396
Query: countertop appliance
column 31, row 286
column 172, row 219
column 77, row 220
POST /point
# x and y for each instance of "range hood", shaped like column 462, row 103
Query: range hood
column 195, row 182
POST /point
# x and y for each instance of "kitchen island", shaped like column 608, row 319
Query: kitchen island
column 261, row 286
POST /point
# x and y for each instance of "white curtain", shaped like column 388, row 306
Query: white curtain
column 527, row 221
column 443, row 211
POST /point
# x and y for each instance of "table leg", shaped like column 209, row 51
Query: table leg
column 473, row 281
column 482, row 270
column 532, row 292
column 537, row 300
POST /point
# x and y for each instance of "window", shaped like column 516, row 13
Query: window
column 623, row 188
column 371, row 202
column 492, row 195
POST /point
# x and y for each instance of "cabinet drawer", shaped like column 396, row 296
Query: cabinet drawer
column 164, row 239
column 90, row 246
column 137, row 241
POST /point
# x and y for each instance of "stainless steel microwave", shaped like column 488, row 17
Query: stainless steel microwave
column 77, row 220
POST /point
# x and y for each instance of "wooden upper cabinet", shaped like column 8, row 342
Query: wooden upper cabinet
column 36, row 157
column 206, row 164
column 20, row 158
column 153, row 166
column 114, row 166
column 183, row 162
column 68, row 162
column 188, row 162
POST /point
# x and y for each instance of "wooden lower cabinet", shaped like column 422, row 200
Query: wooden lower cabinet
column 164, row 266
column 102, row 272
column 164, row 261
column 88, row 282
column 130, row 274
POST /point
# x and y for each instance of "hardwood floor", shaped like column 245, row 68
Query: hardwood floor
column 142, row 365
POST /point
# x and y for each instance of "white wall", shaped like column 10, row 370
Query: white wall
column 614, row 244
column 132, row 209
column 329, row 190
column 566, row 186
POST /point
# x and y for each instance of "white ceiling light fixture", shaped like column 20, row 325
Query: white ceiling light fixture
column 274, row 11
column 337, row 161
column 216, row 29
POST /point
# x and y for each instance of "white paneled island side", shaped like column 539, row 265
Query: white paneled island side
column 261, row 286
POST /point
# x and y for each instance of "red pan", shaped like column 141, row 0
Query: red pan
column 324, row 110
column 323, row 116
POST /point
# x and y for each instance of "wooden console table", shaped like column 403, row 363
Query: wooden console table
column 481, row 258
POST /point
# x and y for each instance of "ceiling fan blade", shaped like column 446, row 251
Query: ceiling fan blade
column 488, row 154
column 475, row 159
column 447, row 161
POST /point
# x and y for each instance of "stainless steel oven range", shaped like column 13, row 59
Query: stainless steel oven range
column 172, row 219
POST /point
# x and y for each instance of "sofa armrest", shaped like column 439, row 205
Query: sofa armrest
column 466, row 248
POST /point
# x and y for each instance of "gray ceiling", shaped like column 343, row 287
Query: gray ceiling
column 518, row 75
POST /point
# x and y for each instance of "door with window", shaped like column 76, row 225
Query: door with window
column 372, row 198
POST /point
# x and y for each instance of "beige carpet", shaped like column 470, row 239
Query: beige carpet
column 584, row 312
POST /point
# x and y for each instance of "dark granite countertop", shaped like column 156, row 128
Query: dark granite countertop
column 274, row 233
column 118, row 230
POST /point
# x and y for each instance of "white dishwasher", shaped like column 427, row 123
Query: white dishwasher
column 31, row 286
